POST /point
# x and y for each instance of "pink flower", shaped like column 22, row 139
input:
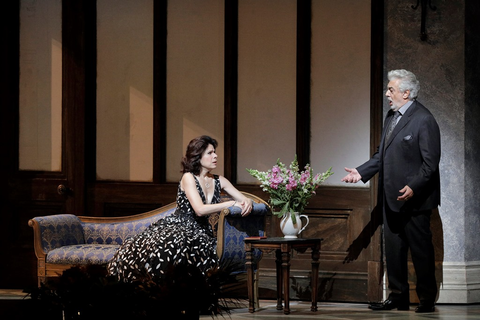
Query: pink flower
column 304, row 177
column 292, row 183
column 275, row 178
column 276, row 170
column 273, row 182
column 288, row 186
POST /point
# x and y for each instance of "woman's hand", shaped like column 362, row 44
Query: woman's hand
column 241, row 201
column 246, row 205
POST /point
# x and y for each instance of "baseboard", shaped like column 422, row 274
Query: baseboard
column 460, row 283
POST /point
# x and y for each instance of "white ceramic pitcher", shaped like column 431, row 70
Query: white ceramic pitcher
column 291, row 230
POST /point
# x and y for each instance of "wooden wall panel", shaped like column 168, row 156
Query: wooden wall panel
column 348, row 263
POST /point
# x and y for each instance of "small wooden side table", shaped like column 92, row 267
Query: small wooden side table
column 283, row 247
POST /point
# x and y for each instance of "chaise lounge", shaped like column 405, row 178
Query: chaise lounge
column 66, row 240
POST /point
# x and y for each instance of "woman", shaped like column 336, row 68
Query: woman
column 184, row 237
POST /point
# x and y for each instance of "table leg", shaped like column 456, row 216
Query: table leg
column 286, row 280
column 278, row 265
column 315, row 267
column 250, row 281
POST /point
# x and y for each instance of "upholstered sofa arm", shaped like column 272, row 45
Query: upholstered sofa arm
column 51, row 232
column 233, row 228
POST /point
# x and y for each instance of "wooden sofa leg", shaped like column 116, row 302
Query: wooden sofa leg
column 41, row 271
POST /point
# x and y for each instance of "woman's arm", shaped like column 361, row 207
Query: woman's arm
column 189, row 186
column 242, row 201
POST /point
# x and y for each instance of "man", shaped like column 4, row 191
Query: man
column 407, row 162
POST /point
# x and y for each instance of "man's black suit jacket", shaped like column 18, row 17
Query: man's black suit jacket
column 410, row 157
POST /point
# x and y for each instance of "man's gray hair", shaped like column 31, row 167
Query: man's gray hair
column 408, row 81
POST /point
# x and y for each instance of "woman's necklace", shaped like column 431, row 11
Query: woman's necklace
column 207, row 184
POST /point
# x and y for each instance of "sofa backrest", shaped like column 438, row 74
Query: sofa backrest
column 117, row 232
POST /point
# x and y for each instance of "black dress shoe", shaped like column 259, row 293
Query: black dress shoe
column 389, row 305
column 425, row 307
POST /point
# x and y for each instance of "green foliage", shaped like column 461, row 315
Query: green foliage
column 289, row 188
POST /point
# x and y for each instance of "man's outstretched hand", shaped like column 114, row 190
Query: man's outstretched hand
column 352, row 177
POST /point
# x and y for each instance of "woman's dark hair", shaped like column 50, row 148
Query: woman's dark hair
column 193, row 155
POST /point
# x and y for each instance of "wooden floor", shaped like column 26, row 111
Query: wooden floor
column 350, row 311
column 14, row 305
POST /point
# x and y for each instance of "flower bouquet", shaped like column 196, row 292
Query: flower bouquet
column 289, row 188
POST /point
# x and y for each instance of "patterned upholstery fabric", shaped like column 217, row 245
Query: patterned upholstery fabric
column 236, row 228
column 116, row 233
column 60, row 230
column 67, row 240
column 82, row 254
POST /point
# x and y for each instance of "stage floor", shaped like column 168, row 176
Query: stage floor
column 350, row 311
column 11, row 304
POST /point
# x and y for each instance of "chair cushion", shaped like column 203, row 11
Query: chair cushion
column 82, row 254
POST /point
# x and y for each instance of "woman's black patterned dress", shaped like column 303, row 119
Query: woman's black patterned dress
column 181, row 238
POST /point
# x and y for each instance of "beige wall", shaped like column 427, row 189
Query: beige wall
column 195, row 100
column 40, row 146
column 266, row 84
column 340, row 100
column 195, row 62
column 125, row 90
